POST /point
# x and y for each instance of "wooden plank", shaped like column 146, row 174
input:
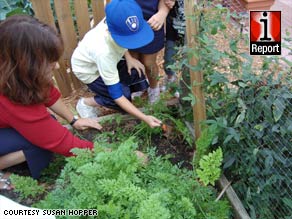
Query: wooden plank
column 43, row 11
column 66, row 26
column 63, row 79
column 199, row 109
column 240, row 211
column 67, row 30
column 82, row 17
column 98, row 10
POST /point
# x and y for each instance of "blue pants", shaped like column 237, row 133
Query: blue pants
column 169, row 58
column 130, row 83
column 36, row 157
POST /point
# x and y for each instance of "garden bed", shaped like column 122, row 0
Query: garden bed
column 174, row 182
column 168, row 143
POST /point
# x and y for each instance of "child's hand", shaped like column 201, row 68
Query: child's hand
column 152, row 121
column 134, row 63
column 169, row 3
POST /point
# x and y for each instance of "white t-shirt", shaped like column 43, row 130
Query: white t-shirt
column 97, row 54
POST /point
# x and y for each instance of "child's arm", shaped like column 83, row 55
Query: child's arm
column 134, row 63
column 169, row 3
column 157, row 20
column 126, row 105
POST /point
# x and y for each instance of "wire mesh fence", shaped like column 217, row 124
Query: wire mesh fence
column 249, row 100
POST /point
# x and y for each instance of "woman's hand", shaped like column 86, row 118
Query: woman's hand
column 152, row 121
column 85, row 123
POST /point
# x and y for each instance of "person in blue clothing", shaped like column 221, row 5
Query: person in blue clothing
column 174, row 37
column 155, row 13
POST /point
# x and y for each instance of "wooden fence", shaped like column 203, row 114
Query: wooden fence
column 72, row 19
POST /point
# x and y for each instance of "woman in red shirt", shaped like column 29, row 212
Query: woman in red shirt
column 29, row 52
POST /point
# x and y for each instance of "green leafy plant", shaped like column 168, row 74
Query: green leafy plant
column 26, row 186
column 210, row 167
column 204, row 143
column 250, row 103
column 11, row 7
column 119, row 185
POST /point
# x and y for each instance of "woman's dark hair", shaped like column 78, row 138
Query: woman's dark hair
column 28, row 50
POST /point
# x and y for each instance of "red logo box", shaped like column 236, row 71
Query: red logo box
column 265, row 32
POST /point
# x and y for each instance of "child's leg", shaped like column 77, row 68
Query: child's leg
column 152, row 72
column 169, row 52
column 151, row 68
column 129, row 83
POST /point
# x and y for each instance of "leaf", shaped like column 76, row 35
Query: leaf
column 278, row 109
column 214, row 31
column 240, row 118
column 229, row 162
column 233, row 45
column 190, row 98
column 288, row 202
column 16, row 11
column 269, row 161
column 217, row 78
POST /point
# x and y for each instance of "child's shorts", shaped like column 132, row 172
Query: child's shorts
column 37, row 158
column 155, row 46
column 130, row 83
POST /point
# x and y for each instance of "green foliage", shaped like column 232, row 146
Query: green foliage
column 168, row 115
column 204, row 142
column 119, row 185
column 12, row 7
column 251, row 105
column 210, row 167
column 26, row 186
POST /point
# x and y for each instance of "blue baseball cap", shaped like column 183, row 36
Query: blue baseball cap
column 126, row 24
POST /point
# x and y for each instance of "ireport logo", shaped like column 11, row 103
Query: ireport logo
column 265, row 32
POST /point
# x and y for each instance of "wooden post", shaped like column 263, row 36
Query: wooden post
column 199, row 109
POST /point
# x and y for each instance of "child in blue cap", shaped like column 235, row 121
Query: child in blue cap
column 97, row 61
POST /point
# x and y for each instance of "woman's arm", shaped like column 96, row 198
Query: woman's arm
column 82, row 123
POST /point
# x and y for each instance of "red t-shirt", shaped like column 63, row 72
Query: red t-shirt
column 35, row 124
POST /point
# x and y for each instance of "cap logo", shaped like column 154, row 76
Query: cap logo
column 132, row 23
